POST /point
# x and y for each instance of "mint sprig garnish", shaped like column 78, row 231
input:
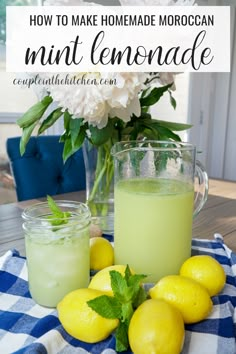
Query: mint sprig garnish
column 128, row 295
column 58, row 216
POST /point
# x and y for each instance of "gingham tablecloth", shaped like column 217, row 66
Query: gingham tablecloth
column 26, row 327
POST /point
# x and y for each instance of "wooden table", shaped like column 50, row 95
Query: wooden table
column 218, row 216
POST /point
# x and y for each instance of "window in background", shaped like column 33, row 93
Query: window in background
column 164, row 111
column 13, row 100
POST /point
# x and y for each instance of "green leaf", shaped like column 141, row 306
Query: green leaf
column 145, row 92
column 166, row 133
column 75, row 125
column 123, row 303
column 34, row 113
column 154, row 96
column 140, row 297
column 54, row 208
column 151, row 134
column 66, row 214
column 106, row 306
column 122, row 341
column 69, row 148
column 26, row 134
column 127, row 311
column 174, row 126
column 63, row 136
column 119, row 285
column 101, row 136
column 58, row 217
column 67, row 119
column 136, row 279
column 127, row 273
column 50, row 120
column 172, row 100
column 73, row 136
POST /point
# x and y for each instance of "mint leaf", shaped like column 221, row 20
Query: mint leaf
column 127, row 273
column 128, row 294
column 118, row 285
column 66, row 214
column 106, row 306
column 122, row 341
column 138, row 294
column 54, row 221
column 58, row 217
column 127, row 311
column 56, row 211
column 139, row 297
column 135, row 280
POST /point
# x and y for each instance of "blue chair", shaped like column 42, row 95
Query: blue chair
column 41, row 171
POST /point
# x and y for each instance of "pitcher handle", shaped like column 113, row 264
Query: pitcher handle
column 201, row 188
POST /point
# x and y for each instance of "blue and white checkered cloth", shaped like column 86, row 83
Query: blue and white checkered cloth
column 26, row 327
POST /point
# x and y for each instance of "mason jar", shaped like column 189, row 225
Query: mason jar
column 57, row 250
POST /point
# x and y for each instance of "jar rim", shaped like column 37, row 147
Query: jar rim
column 85, row 214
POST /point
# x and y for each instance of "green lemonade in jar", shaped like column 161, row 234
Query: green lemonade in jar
column 57, row 251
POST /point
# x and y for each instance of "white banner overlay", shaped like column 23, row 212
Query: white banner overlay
column 118, row 39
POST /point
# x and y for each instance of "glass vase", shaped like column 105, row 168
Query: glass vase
column 100, row 184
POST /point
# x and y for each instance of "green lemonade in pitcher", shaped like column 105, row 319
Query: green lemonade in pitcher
column 153, row 225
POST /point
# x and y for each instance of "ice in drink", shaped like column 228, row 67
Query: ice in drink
column 57, row 249
column 57, row 266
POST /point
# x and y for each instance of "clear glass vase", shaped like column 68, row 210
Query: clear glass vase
column 100, row 184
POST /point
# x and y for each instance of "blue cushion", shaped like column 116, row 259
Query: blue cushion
column 41, row 171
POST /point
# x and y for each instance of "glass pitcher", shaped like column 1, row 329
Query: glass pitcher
column 159, row 188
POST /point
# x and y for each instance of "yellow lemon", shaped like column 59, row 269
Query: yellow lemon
column 102, row 281
column 80, row 321
column 101, row 253
column 156, row 327
column 207, row 271
column 187, row 295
